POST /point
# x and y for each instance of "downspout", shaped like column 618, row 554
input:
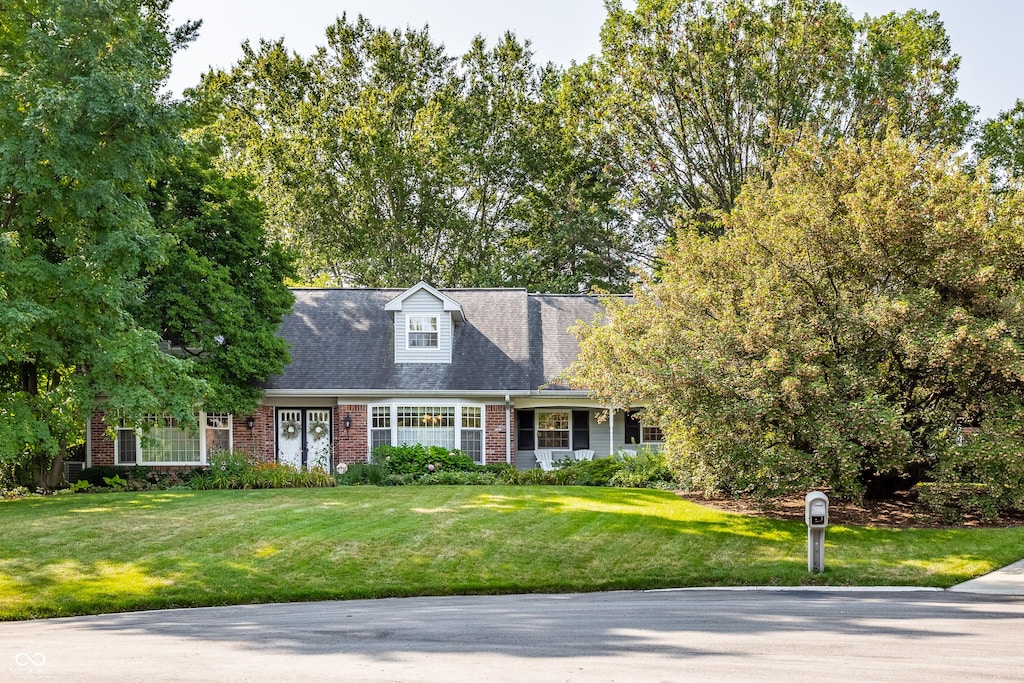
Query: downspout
column 508, row 431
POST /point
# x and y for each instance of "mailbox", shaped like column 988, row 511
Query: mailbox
column 816, row 510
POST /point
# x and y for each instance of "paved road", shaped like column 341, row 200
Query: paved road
column 794, row 635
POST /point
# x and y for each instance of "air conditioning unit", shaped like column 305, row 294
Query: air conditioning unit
column 73, row 471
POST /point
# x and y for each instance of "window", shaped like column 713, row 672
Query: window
column 380, row 427
column 448, row 426
column 427, row 425
column 651, row 434
column 422, row 332
column 165, row 442
column 553, row 429
column 472, row 433
column 218, row 432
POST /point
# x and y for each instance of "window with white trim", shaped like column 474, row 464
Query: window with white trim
column 553, row 429
column 426, row 425
column 448, row 426
column 165, row 442
column 380, row 427
column 218, row 432
column 422, row 332
column 472, row 433
column 651, row 434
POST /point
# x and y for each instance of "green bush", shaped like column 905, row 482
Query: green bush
column 596, row 472
column 456, row 478
column 96, row 475
column 232, row 470
column 419, row 459
column 359, row 474
column 647, row 469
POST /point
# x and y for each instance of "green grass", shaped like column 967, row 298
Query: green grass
column 83, row 554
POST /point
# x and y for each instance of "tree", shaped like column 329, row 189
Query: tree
column 694, row 92
column 219, row 295
column 857, row 316
column 383, row 161
column 1001, row 143
column 81, row 129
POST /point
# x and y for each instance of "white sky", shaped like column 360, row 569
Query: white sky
column 985, row 33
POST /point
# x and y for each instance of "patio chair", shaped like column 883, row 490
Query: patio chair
column 544, row 456
column 583, row 454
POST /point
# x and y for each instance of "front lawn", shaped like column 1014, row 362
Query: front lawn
column 83, row 554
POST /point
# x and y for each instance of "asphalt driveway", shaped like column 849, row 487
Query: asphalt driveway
column 774, row 635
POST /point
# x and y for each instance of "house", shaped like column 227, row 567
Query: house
column 472, row 369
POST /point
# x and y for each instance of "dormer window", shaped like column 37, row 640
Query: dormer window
column 422, row 332
column 424, row 323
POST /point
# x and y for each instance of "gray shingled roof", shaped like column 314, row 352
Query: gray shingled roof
column 342, row 340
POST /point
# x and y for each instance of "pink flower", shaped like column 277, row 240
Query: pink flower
column 430, row 467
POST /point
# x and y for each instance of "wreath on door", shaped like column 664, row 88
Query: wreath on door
column 290, row 429
column 319, row 430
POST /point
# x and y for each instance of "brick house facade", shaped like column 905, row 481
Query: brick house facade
column 474, row 369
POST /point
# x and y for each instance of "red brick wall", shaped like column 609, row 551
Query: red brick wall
column 258, row 442
column 352, row 445
column 101, row 445
column 494, row 439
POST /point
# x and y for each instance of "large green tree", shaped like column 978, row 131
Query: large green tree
column 383, row 160
column 860, row 314
column 1001, row 144
column 694, row 91
column 81, row 130
column 219, row 294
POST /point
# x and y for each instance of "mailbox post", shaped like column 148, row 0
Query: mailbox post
column 816, row 517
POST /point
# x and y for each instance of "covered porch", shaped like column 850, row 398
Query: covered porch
column 550, row 429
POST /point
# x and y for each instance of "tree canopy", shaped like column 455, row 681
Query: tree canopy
column 84, row 131
column 694, row 93
column 219, row 293
column 858, row 316
column 384, row 161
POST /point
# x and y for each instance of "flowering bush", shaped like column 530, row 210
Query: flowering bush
column 419, row 459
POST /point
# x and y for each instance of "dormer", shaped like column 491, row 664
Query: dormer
column 424, row 319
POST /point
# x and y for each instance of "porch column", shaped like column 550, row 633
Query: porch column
column 611, row 431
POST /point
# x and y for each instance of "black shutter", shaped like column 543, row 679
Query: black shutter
column 632, row 428
column 525, row 420
column 580, row 429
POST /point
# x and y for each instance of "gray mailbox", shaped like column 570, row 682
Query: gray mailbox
column 816, row 517
column 816, row 509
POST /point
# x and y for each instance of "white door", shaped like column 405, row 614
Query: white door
column 318, row 439
column 304, row 437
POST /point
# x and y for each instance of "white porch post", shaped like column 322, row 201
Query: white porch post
column 611, row 431
column 508, row 429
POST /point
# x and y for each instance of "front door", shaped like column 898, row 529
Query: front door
column 304, row 437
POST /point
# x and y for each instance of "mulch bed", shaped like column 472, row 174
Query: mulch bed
column 899, row 511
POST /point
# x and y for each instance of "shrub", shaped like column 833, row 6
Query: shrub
column 419, row 459
column 457, row 478
column 96, row 475
column 647, row 469
column 234, row 471
column 359, row 473
column 597, row 472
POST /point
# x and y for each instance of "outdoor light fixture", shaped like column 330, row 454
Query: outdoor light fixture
column 250, row 422
column 347, row 422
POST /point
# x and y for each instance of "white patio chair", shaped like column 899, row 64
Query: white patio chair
column 543, row 456
column 583, row 454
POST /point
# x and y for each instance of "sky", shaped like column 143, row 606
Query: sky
column 985, row 33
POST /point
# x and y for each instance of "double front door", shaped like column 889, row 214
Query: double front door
column 304, row 437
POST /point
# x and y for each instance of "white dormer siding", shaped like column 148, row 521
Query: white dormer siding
column 424, row 319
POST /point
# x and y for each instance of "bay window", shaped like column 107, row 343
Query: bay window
column 447, row 426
